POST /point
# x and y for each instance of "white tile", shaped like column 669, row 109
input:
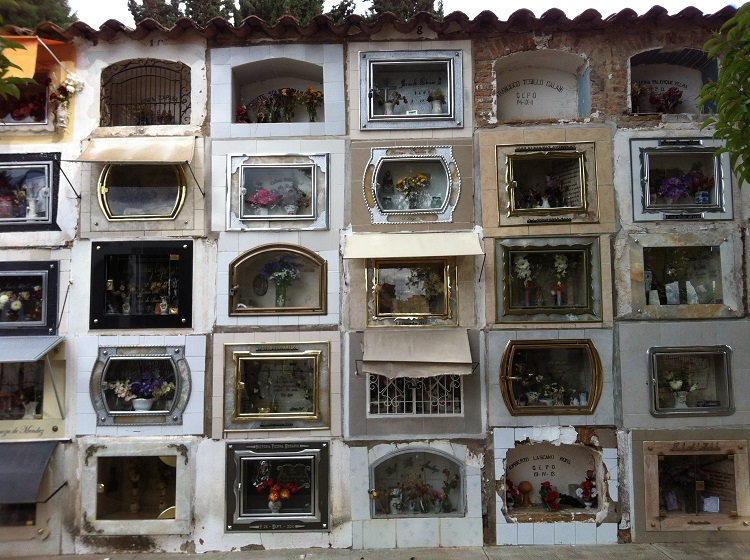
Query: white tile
column 606, row 533
column 614, row 491
column 85, row 423
column 544, row 533
column 504, row 438
column 565, row 532
column 379, row 533
column 611, row 465
column 356, row 535
column 417, row 532
column 87, row 347
column 609, row 453
column 525, row 533
column 456, row 532
column 360, row 500
column 192, row 423
column 585, row 533
column 507, row 534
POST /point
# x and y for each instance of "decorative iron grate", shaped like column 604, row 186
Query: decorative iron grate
column 439, row 395
column 145, row 91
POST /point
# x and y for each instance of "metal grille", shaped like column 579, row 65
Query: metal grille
column 440, row 395
column 145, row 91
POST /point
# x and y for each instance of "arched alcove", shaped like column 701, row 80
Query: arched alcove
column 417, row 483
column 543, row 84
column 655, row 72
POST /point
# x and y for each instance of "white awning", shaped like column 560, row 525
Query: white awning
column 397, row 245
column 26, row 348
column 416, row 352
column 143, row 149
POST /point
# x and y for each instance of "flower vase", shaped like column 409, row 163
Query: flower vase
column 291, row 209
column 312, row 113
column 545, row 202
column 396, row 504
column 437, row 106
column 142, row 404
column 702, row 197
column 414, row 201
column 261, row 211
column 275, row 507
column 62, row 115
column 680, row 399
column 587, row 505
column 280, row 294
column 388, row 108
column 527, row 295
column 30, row 408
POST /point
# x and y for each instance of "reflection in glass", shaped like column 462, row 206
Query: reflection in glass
column 411, row 184
column 547, row 181
column 142, row 284
column 126, row 381
column 407, row 288
column 548, row 279
column 128, row 191
column 22, row 297
column 682, row 275
column 277, row 191
column 276, row 385
column 279, row 486
column 21, row 390
column 139, row 487
column 691, row 380
column 697, row 484
column 684, row 177
column 563, row 374
column 24, row 192
column 407, row 89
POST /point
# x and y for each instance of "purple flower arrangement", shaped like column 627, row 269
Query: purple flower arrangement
column 672, row 188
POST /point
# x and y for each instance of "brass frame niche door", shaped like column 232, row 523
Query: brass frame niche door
column 541, row 385
column 142, row 184
column 277, row 385
column 420, row 289
column 278, row 278
column 556, row 183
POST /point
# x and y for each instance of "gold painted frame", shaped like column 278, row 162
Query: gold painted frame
column 515, row 376
column 416, row 291
column 140, row 195
column 253, row 292
column 274, row 387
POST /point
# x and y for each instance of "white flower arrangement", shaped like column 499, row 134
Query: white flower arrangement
column 523, row 269
column 561, row 265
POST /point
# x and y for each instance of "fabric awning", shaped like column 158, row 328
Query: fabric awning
column 143, row 149
column 396, row 245
column 22, row 465
column 26, row 348
column 29, row 58
column 416, row 352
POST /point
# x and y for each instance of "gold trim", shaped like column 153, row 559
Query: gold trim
column 102, row 190
column 506, row 380
column 309, row 257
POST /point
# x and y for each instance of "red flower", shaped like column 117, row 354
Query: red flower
column 553, row 495
column 554, row 505
column 546, row 485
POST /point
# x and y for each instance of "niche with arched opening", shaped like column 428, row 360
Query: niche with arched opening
column 664, row 81
column 417, row 483
column 543, row 84
column 279, row 278
column 278, row 90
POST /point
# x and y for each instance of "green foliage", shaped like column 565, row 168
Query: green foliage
column 201, row 12
column 9, row 86
column 404, row 9
column 271, row 10
column 165, row 13
column 730, row 94
column 25, row 13
column 340, row 11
